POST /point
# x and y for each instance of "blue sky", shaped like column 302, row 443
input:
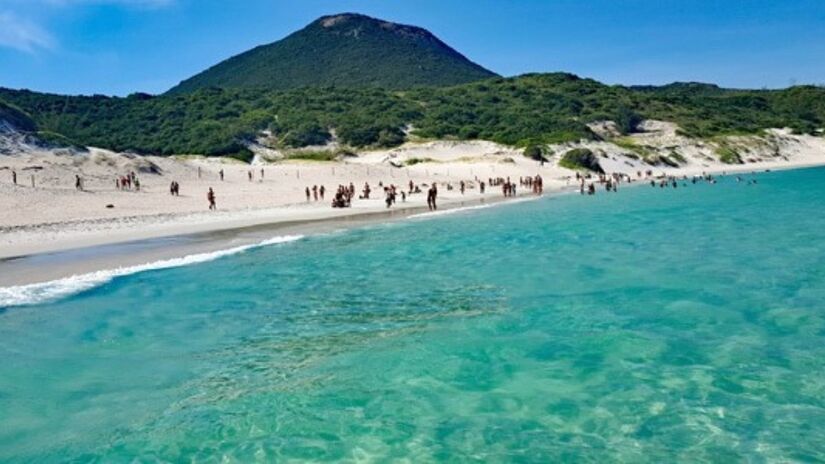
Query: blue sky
column 121, row 46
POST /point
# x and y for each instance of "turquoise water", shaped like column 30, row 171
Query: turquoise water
column 647, row 326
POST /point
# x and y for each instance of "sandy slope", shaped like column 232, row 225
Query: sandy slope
column 54, row 216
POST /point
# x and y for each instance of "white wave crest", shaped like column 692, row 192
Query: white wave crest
column 46, row 291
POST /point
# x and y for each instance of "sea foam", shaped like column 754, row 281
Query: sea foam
column 28, row 294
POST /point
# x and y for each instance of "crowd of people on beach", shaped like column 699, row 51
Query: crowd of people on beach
column 345, row 194
column 127, row 182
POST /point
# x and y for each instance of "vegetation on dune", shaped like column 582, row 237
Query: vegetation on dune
column 581, row 158
column 627, row 120
column 631, row 145
column 16, row 117
column 414, row 161
column 535, row 152
column 728, row 155
column 320, row 155
column 533, row 110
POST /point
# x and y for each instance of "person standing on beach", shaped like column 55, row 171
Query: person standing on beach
column 220, row 173
column 210, row 196
column 432, row 194
column 78, row 182
column 315, row 192
column 14, row 177
column 262, row 174
column 307, row 192
column 322, row 191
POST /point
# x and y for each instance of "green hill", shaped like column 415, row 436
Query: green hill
column 16, row 118
column 345, row 50
column 519, row 111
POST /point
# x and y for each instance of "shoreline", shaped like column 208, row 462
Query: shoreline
column 42, row 267
column 38, row 262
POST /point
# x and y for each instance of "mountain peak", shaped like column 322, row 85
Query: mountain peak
column 345, row 50
column 343, row 18
column 355, row 20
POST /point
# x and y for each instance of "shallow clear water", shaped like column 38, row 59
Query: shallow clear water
column 649, row 325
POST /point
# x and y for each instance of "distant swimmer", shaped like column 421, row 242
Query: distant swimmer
column 210, row 196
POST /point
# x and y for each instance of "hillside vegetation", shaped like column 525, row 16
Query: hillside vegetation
column 527, row 110
column 345, row 50
column 16, row 118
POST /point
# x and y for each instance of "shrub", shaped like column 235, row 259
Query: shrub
column 314, row 155
column 535, row 152
column 728, row 155
column 414, row 161
column 581, row 158
column 627, row 120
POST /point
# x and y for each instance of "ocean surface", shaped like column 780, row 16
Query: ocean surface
column 649, row 325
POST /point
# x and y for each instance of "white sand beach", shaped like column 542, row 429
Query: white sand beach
column 54, row 216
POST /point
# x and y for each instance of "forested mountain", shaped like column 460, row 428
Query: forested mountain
column 345, row 50
column 524, row 110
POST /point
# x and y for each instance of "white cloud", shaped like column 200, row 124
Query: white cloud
column 21, row 34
